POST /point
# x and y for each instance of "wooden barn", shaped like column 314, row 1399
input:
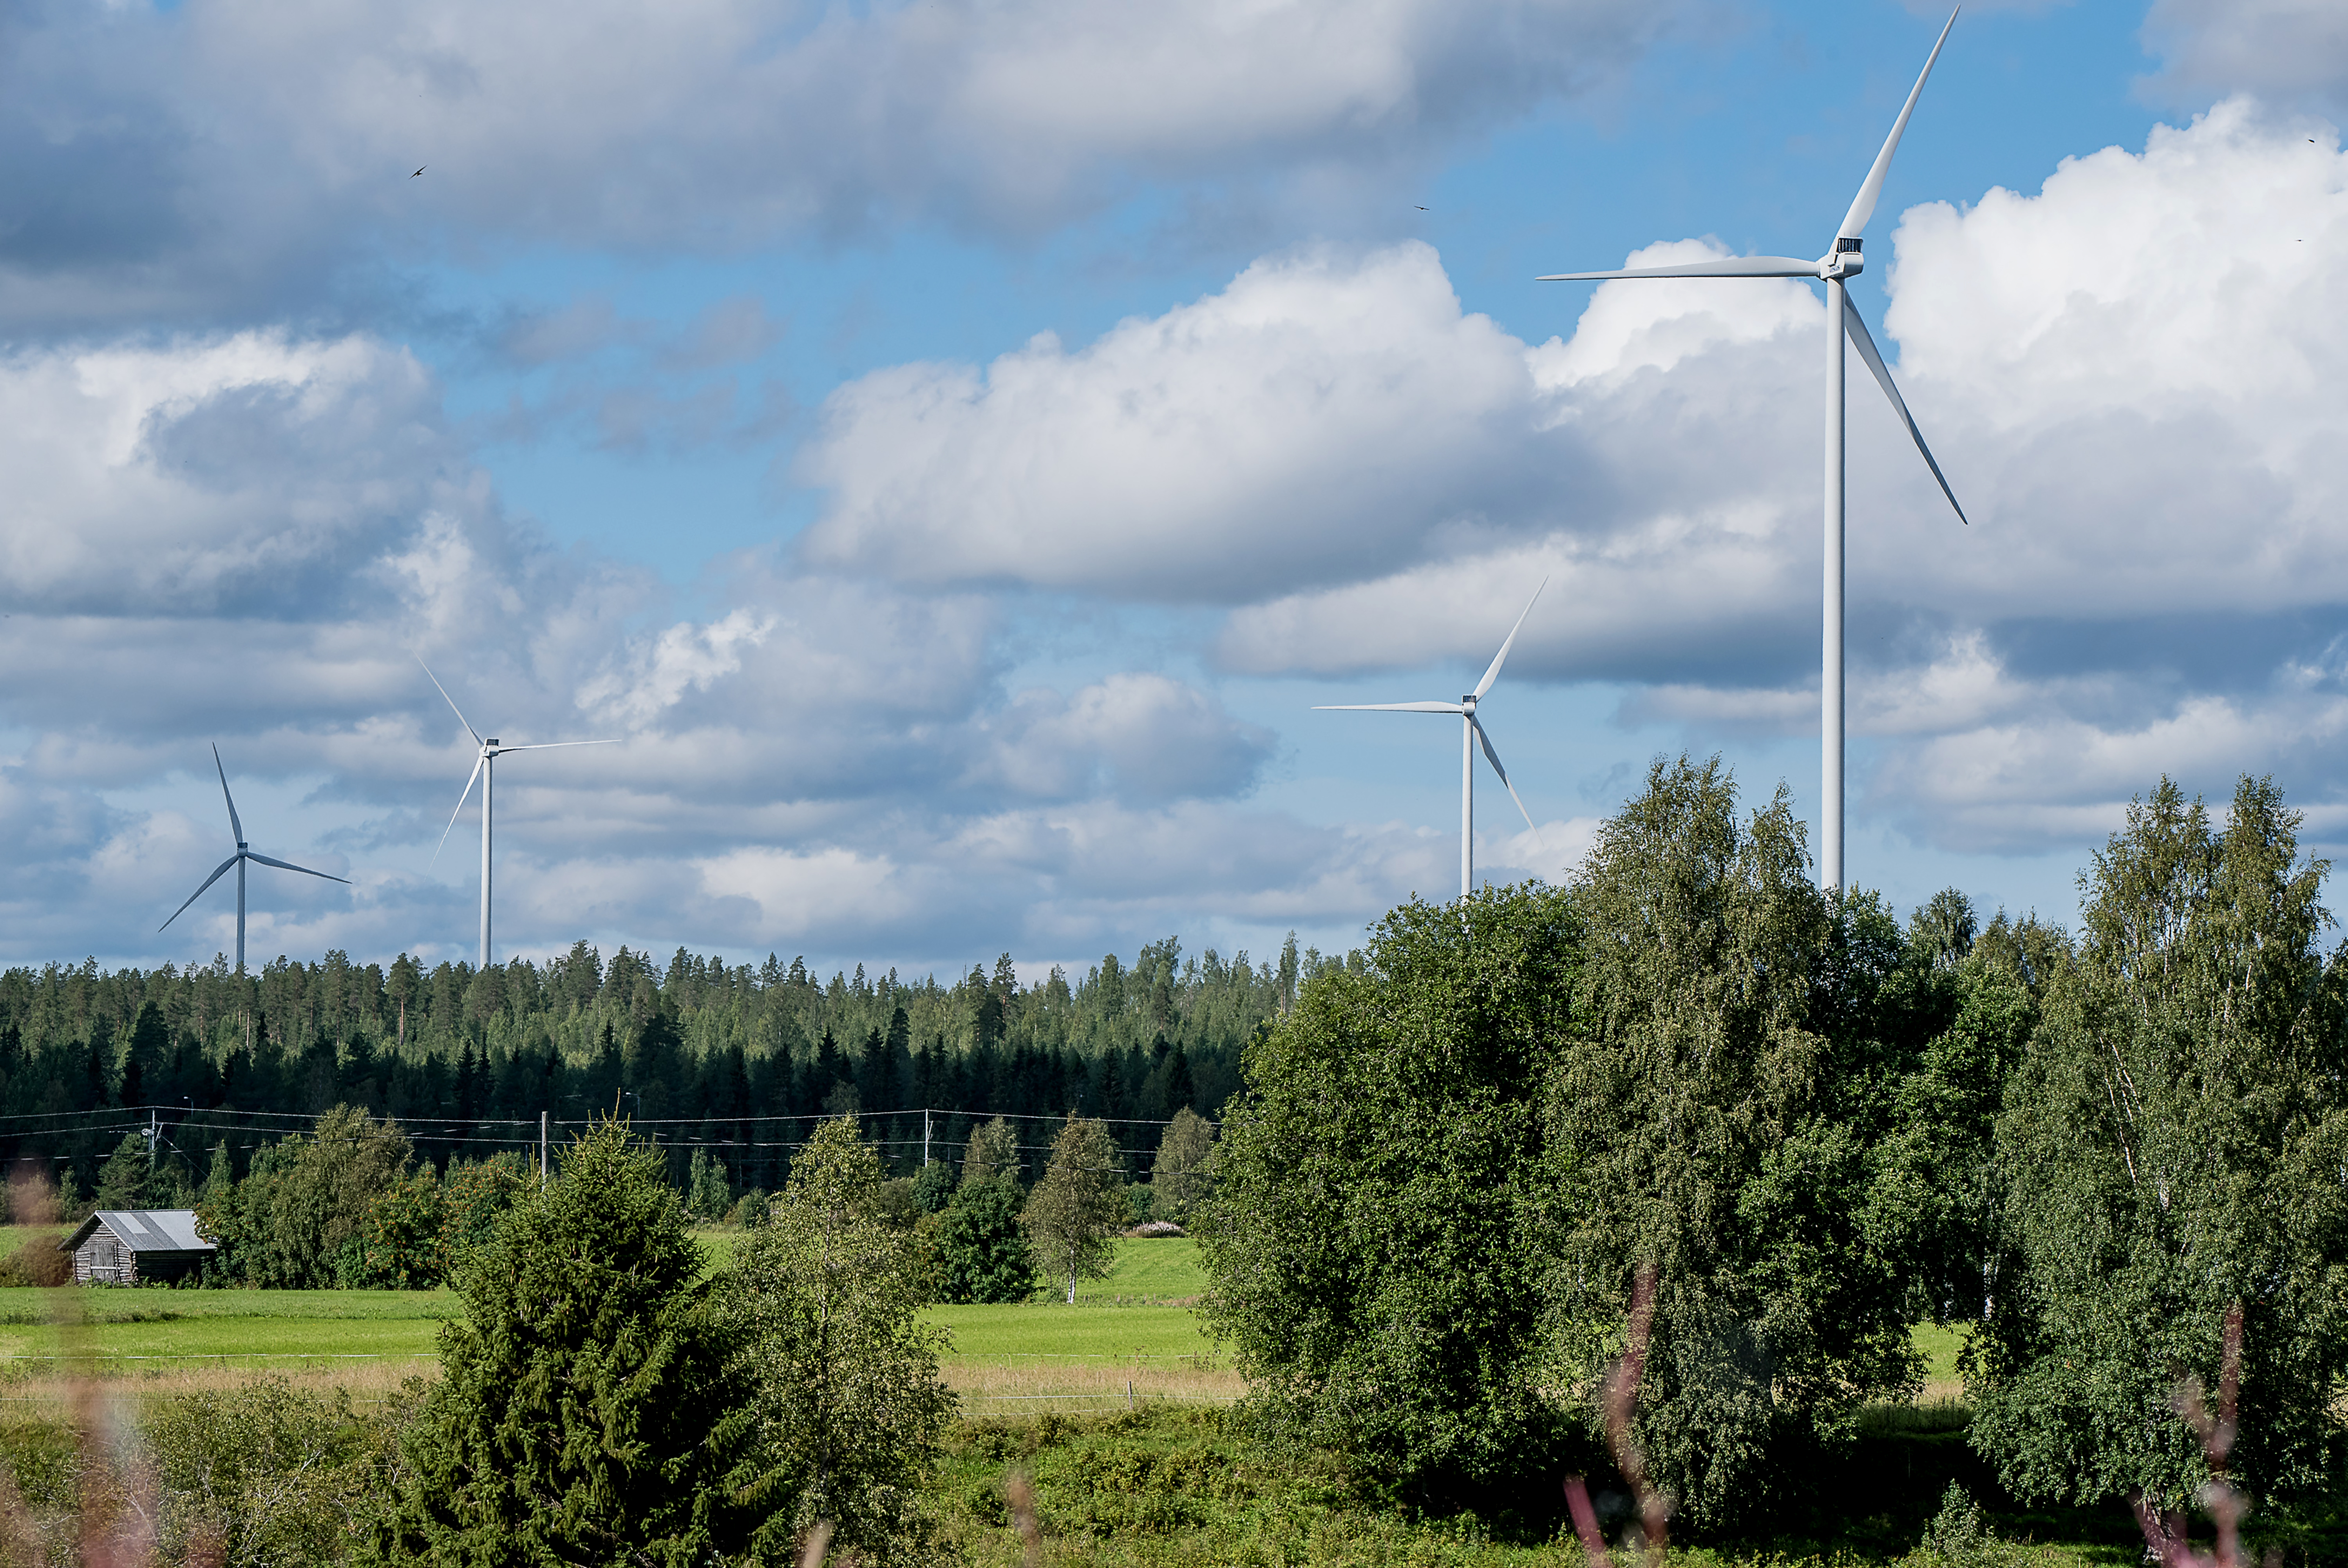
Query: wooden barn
column 136, row 1246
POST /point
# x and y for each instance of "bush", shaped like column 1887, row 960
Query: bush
column 265, row 1473
column 981, row 1253
column 36, row 1262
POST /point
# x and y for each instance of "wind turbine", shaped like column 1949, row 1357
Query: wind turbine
column 1840, row 263
column 243, row 854
column 1471, row 734
column 484, row 771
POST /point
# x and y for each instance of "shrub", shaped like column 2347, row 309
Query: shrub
column 265, row 1473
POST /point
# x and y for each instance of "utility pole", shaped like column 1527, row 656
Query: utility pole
column 925, row 1141
column 153, row 1133
column 541, row 1150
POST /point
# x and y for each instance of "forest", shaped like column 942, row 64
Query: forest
column 702, row 1056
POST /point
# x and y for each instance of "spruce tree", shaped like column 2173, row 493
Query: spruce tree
column 592, row 1406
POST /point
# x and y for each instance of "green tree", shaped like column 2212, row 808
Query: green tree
column 1181, row 1177
column 850, row 1409
column 1705, row 1123
column 298, row 1219
column 478, row 1193
column 405, row 1225
column 128, row 1179
column 708, row 1193
column 992, row 1151
column 1073, row 1210
column 1373, row 1241
column 2172, row 1147
column 980, row 1251
column 593, row 1406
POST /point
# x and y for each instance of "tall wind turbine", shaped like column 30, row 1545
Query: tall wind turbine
column 243, row 854
column 1840, row 263
column 484, row 771
column 1471, row 734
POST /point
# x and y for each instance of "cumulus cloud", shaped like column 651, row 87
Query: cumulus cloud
column 192, row 160
column 1202, row 454
column 2127, row 374
column 248, row 539
column 2286, row 51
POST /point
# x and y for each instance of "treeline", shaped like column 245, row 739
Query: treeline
column 694, row 1052
column 1688, row 1101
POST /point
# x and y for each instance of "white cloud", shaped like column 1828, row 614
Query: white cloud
column 2284, row 50
column 177, row 160
column 1204, row 454
column 813, row 759
column 2128, row 375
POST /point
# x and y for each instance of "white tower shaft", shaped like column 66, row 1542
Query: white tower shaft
column 1468, row 800
column 488, row 778
column 1831, row 663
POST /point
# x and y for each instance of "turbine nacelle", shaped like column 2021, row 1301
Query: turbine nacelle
column 1844, row 260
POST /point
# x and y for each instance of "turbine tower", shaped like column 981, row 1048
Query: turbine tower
column 1471, row 734
column 1840, row 263
column 484, row 770
column 243, row 854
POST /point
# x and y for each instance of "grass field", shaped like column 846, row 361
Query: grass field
column 1131, row 1337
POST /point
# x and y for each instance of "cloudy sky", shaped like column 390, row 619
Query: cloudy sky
column 952, row 446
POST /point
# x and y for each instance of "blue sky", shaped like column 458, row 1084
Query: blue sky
column 953, row 448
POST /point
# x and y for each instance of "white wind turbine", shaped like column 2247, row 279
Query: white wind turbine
column 1842, row 262
column 1471, row 734
column 484, row 770
column 243, row 854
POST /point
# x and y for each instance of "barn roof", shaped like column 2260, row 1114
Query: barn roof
column 143, row 1230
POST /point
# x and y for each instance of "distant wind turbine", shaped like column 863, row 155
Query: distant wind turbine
column 243, row 854
column 1840, row 263
column 1471, row 735
column 483, row 769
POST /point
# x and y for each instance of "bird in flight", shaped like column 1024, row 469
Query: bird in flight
column 420, row 170
column 1422, row 209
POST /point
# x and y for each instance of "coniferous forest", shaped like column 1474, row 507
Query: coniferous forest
column 735, row 1059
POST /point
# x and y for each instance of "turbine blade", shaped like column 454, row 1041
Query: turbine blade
column 1386, row 708
column 460, row 807
column 1493, row 758
column 1862, row 206
column 550, row 745
column 1734, row 267
column 235, row 825
column 200, row 892
column 1501, row 657
column 290, row 866
column 450, row 701
column 1857, row 328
